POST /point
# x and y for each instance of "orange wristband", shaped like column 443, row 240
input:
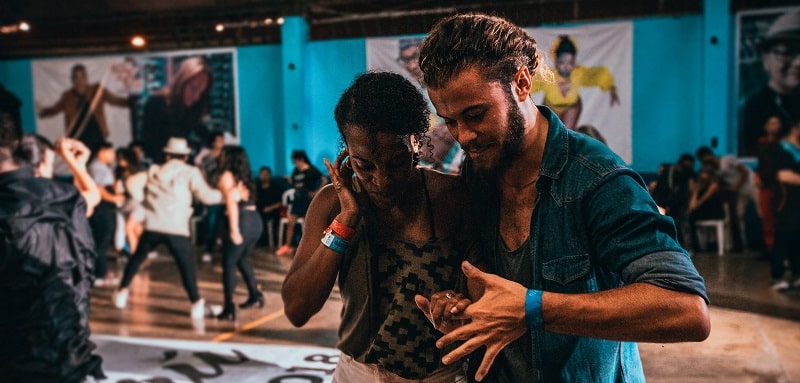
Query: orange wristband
column 344, row 231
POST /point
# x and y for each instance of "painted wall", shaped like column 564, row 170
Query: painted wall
column 260, row 104
column 16, row 77
column 669, row 115
column 667, row 90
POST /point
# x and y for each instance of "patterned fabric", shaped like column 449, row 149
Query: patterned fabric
column 405, row 340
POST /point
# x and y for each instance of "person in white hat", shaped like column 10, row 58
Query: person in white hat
column 167, row 210
column 780, row 95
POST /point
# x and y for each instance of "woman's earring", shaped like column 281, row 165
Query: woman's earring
column 356, row 184
column 415, row 158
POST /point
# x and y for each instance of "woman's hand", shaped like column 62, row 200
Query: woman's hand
column 236, row 238
column 342, row 177
column 73, row 151
column 443, row 308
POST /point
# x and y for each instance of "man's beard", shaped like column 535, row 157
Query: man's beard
column 510, row 147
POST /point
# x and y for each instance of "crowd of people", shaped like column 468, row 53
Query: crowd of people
column 724, row 188
column 544, row 260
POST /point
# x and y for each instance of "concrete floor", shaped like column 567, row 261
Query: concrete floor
column 745, row 344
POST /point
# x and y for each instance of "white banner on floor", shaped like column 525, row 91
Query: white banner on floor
column 135, row 360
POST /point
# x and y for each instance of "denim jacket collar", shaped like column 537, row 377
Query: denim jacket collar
column 556, row 150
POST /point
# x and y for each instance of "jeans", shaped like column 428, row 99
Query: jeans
column 103, row 222
column 787, row 246
column 235, row 256
column 214, row 215
column 180, row 248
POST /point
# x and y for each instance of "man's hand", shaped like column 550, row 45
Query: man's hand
column 497, row 319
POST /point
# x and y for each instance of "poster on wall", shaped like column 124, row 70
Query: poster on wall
column 768, row 76
column 591, row 90
column 146, row 98
column 401, row 55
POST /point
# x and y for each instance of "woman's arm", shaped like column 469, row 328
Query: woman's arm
column 316, row 266
column 76, row 154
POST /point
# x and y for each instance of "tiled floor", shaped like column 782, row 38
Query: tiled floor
column 743, row 346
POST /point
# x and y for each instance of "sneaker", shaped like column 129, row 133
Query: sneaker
column 213, row 310
column 206, row 258
column 284, row 251
column 198, row 309
column 120, row 298
column 780, row 285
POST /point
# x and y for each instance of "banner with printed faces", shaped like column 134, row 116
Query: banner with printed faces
column 146, row 98
column 768, row 77
column 589, row 83
column 401, row 55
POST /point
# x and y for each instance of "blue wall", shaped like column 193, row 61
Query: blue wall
column 332, row 67
column 16, row 76
column 667, row 89
column 260, row 104
column 669, row 112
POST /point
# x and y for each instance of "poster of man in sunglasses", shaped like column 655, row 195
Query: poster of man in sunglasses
column 768, row 75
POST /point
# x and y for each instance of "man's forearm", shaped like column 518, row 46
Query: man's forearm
column 638, row 312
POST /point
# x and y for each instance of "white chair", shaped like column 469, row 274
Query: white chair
column 271, row 240
column 720, row 227
column 287, row 199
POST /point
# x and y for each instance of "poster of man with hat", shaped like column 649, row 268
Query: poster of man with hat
column 769, row 73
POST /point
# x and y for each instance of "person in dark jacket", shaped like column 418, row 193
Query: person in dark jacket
column 46, row 272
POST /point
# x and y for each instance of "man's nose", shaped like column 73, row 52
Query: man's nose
column 463, row 134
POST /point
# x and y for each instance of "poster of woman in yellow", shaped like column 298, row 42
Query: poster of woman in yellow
column 562, row 94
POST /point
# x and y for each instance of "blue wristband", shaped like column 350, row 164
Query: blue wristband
column 533, row 309
column 335, row 242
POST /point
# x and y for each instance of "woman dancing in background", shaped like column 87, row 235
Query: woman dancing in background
column 244, row 228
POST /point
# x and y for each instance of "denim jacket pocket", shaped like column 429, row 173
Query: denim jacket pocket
column 566, row 270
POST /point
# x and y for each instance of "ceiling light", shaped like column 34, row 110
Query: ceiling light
column 138, row 41
column 280, row 21
column 219, row 27
column 23, row 26
column 268, row 21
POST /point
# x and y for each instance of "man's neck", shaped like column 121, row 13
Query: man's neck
column 524, row 170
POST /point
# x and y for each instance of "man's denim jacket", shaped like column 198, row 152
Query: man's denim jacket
column 594, row 227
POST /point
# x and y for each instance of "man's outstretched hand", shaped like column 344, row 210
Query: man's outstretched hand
column 496, row 319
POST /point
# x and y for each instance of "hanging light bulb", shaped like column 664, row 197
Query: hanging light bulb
column 138, row 41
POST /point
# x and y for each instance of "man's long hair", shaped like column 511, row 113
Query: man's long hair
column 494, row 45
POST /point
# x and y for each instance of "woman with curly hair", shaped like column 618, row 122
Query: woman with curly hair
column 244, row 228
column 388, row 231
